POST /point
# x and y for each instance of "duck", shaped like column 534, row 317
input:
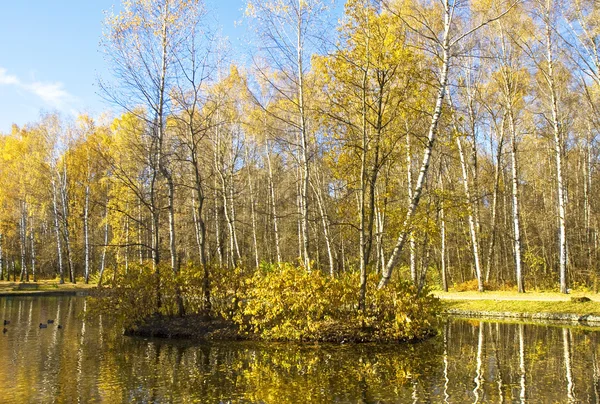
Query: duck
column 60, row 326
column 50, row 321
column 43, row 325
column 6, row 322
column 4, row 331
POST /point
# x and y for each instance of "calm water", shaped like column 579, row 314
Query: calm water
column 471, row 361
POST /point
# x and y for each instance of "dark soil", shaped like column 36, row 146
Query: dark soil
column 192, row 327
column 201, row 328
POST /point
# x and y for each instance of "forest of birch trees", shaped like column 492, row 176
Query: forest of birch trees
column 450, row 142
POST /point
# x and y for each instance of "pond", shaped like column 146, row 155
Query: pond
column 470, row 361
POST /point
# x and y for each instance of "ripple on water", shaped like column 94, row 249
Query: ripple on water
column 90, row 361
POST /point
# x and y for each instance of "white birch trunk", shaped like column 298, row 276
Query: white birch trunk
column 233, row 214
column 472, row 219
column 23, row 243
column 299, row 203
column 252, row 214
column 273, row 203
column 218, row 226
column 57, row 231
column 568, row 365
column 103, row 258
column 522, row 370
column 409, row 181
column 304, row 141
column 479, row 369
column 492, row 240
column 558, row 147
column 325, row 222
column 432, row 134
column 66, row 226
column 86, row 234
column 172, row 244
column 515, row 203
column 127, row 241
column 32, row 244
column 443, row 240
column 379, row 229
column 139, row 235
column 1, row 259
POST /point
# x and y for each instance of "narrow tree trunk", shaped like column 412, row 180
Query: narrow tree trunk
column 57, row 232
column 1, row 259
column 86, row 234
column 229, row 211
column 233, row 214
column 303, row 144
column 139, row 234
column 494, row 208
column 479, row 364
column 568, row 364
column 472, row 219
column 558, row 147
column 515, row 203
column 171, row 197
column 522, row 371
column 200, row 227
column 252, row 212
column 219, row 245
column 325, row 223
column 66, row 224
column 103, row 258
column 273, row 203
column 33, row 255
column 299, row 206
column 155, row 213
column 587, row 182
column 362, row 195
column 379, row 231
column 23, row 244
column 412, row 242
column 127, row 241
column 443, row 238
column 433, row 128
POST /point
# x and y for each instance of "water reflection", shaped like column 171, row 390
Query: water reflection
column 470, row 361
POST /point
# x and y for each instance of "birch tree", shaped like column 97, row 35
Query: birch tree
column 441, row 38
column 285, row 28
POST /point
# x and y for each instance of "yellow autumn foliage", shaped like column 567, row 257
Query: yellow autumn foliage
column 283, row 303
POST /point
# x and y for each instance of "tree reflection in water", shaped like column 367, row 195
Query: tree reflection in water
column 88, row 360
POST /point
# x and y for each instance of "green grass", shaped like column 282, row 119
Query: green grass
column 524, row 306
column 8, row 287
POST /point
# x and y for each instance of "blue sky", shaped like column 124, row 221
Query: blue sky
column 50, row 58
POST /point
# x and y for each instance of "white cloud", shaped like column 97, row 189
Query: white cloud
column 8, row 79
column 53, row 94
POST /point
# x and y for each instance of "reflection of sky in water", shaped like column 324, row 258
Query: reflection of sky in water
column 470, row 361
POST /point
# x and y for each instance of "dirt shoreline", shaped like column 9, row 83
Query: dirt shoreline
column 199, row 328
column 45, row 287
column 72, row 292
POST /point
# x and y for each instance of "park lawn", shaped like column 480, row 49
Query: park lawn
column 9, row 287
column 514, row 296
column 524, row 306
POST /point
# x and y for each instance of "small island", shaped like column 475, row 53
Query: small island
column 277, row 303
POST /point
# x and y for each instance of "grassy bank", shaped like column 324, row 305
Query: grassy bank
column 549, row 296
column 524, row 306
column 42, row 287
column 534, row 305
